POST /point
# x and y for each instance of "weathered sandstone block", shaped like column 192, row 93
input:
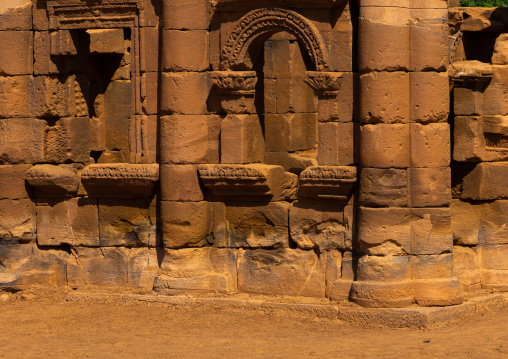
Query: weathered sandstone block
column 431, row 231
column 432, row 266
column 16, row 96
column 150, row 101
column 23, row 140
column 253, row 226
column 384, row 187
column 384, row 269
column 430, row 145
column 320, row 226
column 185, row 50
column 493, row 228
column 241, row 139
column 127, row 225
column 186, row 224
column 281, row 272
column 384, row 97
column 53, row 96
column 289, row 161
column 493, row 256
column 430, row 97
column 113, row 180
column 486, row 182
column 429, row 45
column 53, row 181
column 186, row 139
column 495, row 99
column 16, row 15
column 197, row 270
column 254, row 182
column 336, row 144
column 195, row 85
column 16, row 57
column 384, row 38
column 289, row 95
column 73, row 221
column 494, row 279
column 338, row 284
column 479, row 139
column 430, row 187
column 117, row 113
column 135, row 267
column 465, row 267
column 17, row 222
column 67, row 139
column 25, row 265
column 290, row 132
column 383, row 294
column 385, row 231
column 106, row 41
column 465, row 222
column 385, row 145
column 180, row 183
column 186, row 15
column 12, row 182
column 500, row 56
column 438, row 292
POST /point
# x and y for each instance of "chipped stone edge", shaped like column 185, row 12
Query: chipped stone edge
column 411, row 317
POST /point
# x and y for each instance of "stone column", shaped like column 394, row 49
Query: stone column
column 384, row 216
column 430, row 175
column 187, row 131
column 404, row 229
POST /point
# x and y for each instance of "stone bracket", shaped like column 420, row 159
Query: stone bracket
column 120, row 180
column 255, row 182
column 327, row 182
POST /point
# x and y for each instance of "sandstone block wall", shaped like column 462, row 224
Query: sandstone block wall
column 479, row 151
column 302, row 148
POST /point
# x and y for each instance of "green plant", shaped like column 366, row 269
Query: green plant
column 484, row 3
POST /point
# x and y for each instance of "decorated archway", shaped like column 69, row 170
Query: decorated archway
column 258, row 25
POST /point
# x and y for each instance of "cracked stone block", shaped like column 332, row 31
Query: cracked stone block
column 319, row 226
column 73, row 221
column 129, row 224
column 127, row 267
column 25, row 265
column 281, row 272
column 197, row 270
column 254, row 226
column 17, row 220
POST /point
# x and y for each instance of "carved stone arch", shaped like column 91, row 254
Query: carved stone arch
column 266, row 21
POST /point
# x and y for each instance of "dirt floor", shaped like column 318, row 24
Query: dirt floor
column 35, row 325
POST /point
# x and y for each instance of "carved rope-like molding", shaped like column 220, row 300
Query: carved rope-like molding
column 324, row 83
column 268, row 19
column 237, row 82
column 329, row 173
column 121, row 171
column 230, row 173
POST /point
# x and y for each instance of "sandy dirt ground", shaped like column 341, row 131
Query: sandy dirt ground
column 47, row 326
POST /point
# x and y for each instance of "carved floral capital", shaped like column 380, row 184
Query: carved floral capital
column 324, row 83
column 235, row 82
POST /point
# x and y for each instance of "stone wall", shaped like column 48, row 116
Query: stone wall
column 480, row 151
column 302, row 148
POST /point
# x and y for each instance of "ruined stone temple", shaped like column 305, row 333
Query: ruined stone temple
column 340, row 149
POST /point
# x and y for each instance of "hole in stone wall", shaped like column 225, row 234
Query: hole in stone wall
column 479, row 45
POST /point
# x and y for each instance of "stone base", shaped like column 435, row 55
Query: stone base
column 412, row 317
